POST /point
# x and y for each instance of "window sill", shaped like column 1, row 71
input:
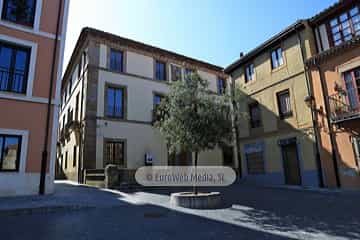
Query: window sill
column 9, row 171
column 286, row 116
column 274, row 70
column 18, row 24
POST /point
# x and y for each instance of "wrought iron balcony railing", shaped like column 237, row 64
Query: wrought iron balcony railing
column 341, row 109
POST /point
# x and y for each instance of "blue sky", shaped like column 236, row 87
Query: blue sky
column 215, row 31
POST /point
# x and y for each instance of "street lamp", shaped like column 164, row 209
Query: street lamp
column 310, row 102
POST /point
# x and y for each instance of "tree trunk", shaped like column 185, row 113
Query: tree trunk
column 195, row 165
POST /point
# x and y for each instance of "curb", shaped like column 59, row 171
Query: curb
column 316, row 190
column 37, row 210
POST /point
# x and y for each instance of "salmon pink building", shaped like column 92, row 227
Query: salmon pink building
column 335, row 80
column 32, row 37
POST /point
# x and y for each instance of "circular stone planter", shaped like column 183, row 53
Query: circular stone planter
column 200, row 201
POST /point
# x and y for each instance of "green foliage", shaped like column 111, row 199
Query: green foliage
column 193, row 119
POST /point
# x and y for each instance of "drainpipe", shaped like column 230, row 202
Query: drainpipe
column 331, row 133
column 47, row 128
column 313, row 118
column 81, row 164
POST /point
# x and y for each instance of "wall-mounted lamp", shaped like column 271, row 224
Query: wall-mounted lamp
column 310, row 103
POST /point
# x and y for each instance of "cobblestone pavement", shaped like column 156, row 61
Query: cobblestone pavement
column 248, row 213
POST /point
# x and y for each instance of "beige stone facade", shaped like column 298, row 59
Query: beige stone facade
column 138, row 84
column 279, row 149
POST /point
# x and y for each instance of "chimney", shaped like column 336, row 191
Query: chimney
column 241, row 54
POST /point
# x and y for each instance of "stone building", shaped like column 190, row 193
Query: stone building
column 109, row 91
column 276, row 138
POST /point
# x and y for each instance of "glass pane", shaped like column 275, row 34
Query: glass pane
column 345, row 25
column 335, row 29
column 346, row 31
column 357, row 27
column 337, row 36
column 157, row 99
column 5, row 61
column 356, row 19
column 20, row 11
column 351, row 90
column 1, row 145
column 343, row 17
column 118, row 154
column 19, row 80
column 274, row 60
column 160, row 71
column 116, row 61
column 175, row 73
column 338, row 42
column 110, row 102
column 334, row 22
column 280, row 56
column 118, row 103
column 10, row 151
column 348, row 37
column 354, row 11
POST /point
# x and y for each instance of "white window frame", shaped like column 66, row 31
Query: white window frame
column 24, row 147
column 32, row 64
column 181, row 70
column 37, row 18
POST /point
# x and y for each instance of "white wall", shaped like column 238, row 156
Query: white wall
column 139, row 64
column 140, row 139
column 139, row 94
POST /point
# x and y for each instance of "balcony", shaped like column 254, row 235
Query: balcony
column 341, row 109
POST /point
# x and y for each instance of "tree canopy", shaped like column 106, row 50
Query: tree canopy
column 192, row 118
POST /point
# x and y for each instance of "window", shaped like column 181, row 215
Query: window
column 14, row 66
column 74, row 156
column 249, row 73
column 115, row 102
column 221, row 86
column 69, row 115
column 77, row 107
column 84, row 61
column 20, row 12
column 160, row 71
column 255, row 115
column 157, row 99
column 277, row 58
column 114, row 152
column 116, row 60
column 352, row 84
column 175, row 73
column 345, row 26
column 356, row 147
column 63, row 122
column 284, row 104
column 66, row 159
column 188, row 73
column 254, row 155
column 10, row 148
column 79, row 70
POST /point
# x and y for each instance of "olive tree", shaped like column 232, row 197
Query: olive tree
column 193, row 119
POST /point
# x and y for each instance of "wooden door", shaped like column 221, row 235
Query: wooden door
column 291, row 164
